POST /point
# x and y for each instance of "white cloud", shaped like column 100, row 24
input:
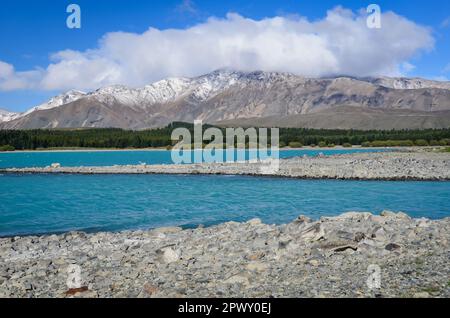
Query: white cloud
column 340, row 43
column 407, row 67
column 11, row 80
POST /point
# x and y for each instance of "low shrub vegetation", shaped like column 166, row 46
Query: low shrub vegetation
column 295, row 144
column 7, row 148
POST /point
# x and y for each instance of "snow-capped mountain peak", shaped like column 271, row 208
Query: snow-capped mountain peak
column 112, row 90
column 57, row 101
column 166, row 90
column 7, row 115
column 116, row 93
column 209, row 85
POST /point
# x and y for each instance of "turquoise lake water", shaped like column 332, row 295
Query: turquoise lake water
column 109, row 158
column 40, row 204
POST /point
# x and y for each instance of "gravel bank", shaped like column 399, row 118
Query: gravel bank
column 362, row 166
column 325, row 258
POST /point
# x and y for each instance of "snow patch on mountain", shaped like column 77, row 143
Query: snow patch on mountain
column 209, row 85
column 116, row 93
column 7, row 115
column 57, row 101
column 166, row 90
column 409, row 83
column 197, row 89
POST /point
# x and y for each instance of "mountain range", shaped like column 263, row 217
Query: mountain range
column 231, row 98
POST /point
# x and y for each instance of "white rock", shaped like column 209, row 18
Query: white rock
column 399, row 215
column 387, row 214
column 379, row 234
column 313, row 233
column 354, row 215
column 169, row 255
column 254, row 222
column 257, row 267
column 423, row 223
column 168, row 230
column 314, row 262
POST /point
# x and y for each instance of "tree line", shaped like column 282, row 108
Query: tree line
column 152, row 138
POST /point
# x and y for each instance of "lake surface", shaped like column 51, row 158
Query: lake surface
column 110, row 158
column 38, row 204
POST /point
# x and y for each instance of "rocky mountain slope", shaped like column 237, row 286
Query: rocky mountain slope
column 226, row 96
column 351, row 118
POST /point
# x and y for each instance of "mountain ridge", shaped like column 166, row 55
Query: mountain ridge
column 225, row 95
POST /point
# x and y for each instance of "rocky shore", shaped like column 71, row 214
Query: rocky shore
column 361, row 166
column 353, row 255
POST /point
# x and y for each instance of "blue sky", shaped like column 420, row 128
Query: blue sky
column 31, row 31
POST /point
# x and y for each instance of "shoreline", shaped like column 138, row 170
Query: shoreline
column 328, row 257
column 188, row 228
column 384, row 179
column 164, row 149
column 388, row 166
column 84, row 150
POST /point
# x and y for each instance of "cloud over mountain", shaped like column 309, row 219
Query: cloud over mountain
column 340, row 43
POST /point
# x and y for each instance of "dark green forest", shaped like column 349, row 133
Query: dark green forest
column 152, row 138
